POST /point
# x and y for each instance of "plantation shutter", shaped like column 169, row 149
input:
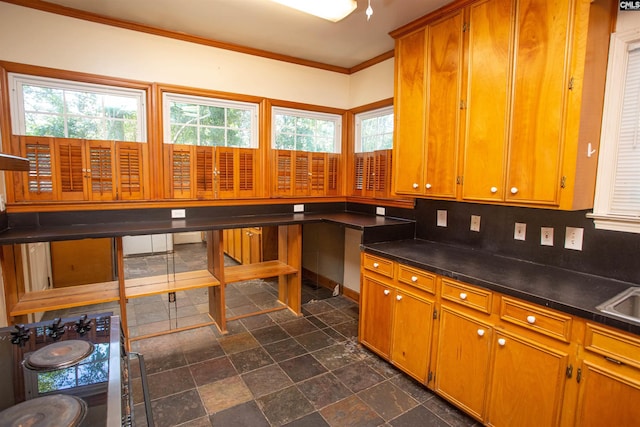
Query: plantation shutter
column 204, row 172
column 302, row 171
column 332, row 174
column 284, row 171
column 71, row 176
column 130, row 177
column 318, row 176
column 247, row 172
column 225, row 172
column 382, row 173
column 39, row 151
column 102, row 184
column 179, row 171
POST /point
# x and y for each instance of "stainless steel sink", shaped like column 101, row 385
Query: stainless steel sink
column 625, row 305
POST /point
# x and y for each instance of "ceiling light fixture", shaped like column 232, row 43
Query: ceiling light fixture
column 369, row 11
column 331, row 10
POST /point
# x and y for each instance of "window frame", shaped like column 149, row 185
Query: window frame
column 169, row 96
column 16, row 99
column 359, row 117
column 309, row 114
column 602, row 215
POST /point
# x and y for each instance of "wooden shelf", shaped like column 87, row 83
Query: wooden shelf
column 72, row 296
column 154, row 285
column 260, row 270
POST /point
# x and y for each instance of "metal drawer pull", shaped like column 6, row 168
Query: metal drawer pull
column 463, row 295
column 531, row 319
column 398, row 297
column 376, row 265
column 414, row 278
column 387, row 292
column 481, row 332
column 502, row 342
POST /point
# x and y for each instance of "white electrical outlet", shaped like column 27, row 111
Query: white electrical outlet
column 546, row 236
column 3, row 205
column 380, row 210
column 520, row 231
column 178, row 213
column 298, row 208
column 442, row 219
column 573, row 238
column 475, row 223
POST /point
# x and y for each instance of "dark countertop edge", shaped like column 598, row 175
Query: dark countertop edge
column 118, row 229
column 585, row 311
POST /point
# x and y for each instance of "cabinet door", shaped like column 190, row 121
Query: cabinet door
column 540, row 88
column 410, row 99
column 375, row 316
column 607, row 397
column 443, row 108
column 411, row 338
column 528, row 382
column 463, row 360
column 487, row 100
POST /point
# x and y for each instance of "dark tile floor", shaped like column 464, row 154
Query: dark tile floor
column 271, row 369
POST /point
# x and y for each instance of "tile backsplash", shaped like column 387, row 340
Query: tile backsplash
column 605, row 253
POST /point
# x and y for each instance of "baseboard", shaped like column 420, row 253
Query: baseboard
column 325, row 282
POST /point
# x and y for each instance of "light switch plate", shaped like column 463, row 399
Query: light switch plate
column 298, row 208
column 380, row 210
column 475, row 223
column 573, row 238
column 520, row 231
column 442, row 218
column 546, row 236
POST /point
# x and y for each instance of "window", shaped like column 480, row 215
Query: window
column 617, row 199
column 194, row 120
column 374, row 130
column 306, row 130
column 67, row 109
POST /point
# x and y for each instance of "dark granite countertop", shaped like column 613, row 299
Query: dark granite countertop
column 564, row 290
column 87, row 229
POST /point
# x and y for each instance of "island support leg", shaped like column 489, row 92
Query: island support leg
column 290, row 252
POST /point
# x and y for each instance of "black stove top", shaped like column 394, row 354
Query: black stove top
column 99, row 379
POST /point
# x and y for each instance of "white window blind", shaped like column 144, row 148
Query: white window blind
column 617, row 198
column 625, row 199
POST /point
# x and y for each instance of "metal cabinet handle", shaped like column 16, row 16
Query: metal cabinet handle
column 386, row 292
column 463, row 296
column 428, row 186
column 414, row 278
column 531, row 319
column 415, row 185
column 514, row 190
column 481, row 332
column 376, row 265
column 398, row 297
column 501, row 342
column 494, row 190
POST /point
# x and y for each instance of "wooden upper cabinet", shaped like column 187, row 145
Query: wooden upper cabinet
column 303, row 173
column 516, row 72
column 444, row 73
column 65, row 169
column 210, row 172
column 487, row 100
column 540, row 86
column 410, row 113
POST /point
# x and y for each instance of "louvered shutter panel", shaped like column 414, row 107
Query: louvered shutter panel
column 40, row 152
column 204, row 172
column 369, row 175
column 226, row 166
column 247, row 172
column 318, row 176
column 284, row 173
column 382, row 175
column 358, row 174
column 102, row 185
column 71, row 176
column 130, row 174
column 180, row 171
column 302, row 171
column 333, row 178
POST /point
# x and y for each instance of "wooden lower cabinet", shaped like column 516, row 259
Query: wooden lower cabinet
column 376, row 310
column 396, row 321
column 251, row 245
column 528, row 382
column 504, row 361
column 608, row 379
column 463, row 360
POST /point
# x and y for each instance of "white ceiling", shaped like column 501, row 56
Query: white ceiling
column 271, row 27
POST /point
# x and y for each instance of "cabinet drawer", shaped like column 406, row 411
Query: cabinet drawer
column 536, row 318
column 418, row 278
column 470, row 296
column 613, row 345
column 379, row 265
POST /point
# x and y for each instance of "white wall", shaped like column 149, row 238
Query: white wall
column 39, row 38
column 627, row 20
